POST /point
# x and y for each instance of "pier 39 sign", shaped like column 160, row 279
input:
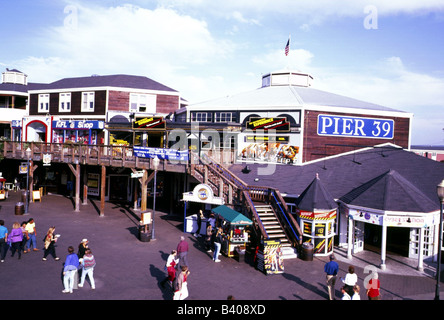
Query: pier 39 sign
column 345, row 126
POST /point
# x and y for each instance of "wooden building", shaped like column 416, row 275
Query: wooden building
column 288, row 121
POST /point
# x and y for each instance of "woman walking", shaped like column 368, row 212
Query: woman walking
column 16, row 238
column 69, row 270
column 88, row 264
column 50, row 240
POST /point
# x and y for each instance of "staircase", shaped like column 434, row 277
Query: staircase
column 274, row 229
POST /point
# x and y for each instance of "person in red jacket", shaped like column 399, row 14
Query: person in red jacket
column 373, row 287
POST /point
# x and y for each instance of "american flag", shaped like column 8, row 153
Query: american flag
column 287, row 47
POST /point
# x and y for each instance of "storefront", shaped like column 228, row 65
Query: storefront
column 235, row 231
column 37, row 129
column 77, row 131
column 318, row 229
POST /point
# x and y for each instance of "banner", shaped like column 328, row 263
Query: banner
column 161, row 153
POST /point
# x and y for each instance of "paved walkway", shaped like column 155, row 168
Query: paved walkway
column 128, row 269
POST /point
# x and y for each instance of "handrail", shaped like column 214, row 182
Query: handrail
column 255, row 213
column 284, row 214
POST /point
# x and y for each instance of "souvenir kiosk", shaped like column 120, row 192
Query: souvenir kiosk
column 202, row 193
column 235, row 227
column 316, row 214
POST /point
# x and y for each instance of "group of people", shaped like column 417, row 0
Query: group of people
column 350, row 289
column 213, row 235
column 84, row 262
column 21, row 238
column 177, row 270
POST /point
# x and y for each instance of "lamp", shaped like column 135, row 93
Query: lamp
column 440, row 192
column 156, row 162
column 28, row 156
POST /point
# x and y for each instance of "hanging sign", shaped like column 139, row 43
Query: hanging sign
column 161, row 153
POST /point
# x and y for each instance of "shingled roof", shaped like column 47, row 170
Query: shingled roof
column 119, row 81
column 343, row 173
column 390, row 192
column 316, row 197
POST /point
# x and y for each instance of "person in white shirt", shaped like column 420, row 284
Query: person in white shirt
column 351, row 278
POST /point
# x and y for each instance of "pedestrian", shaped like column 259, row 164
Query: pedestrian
column 212, row 221
column 16, row 238
column 69, row 270
column 50, row 240
column 25, row 236
column 88, row 264
column 374, row 287
column 180, row 284
column 209, row 232
column 356, row 290
column 32, row 233
column 182, row 251
column 350, row 280
column 3, row 241
column 171, row 267
column 217, row 244
column 83, row 246
column 200, row 216
column 331, row 269
column 345, row 295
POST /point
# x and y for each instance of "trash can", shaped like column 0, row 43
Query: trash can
column 307, row 251
column 240, row 254
column 19, row 208
column 144, row 236
column 24, row 196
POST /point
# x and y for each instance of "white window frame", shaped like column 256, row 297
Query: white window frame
column 44, row 102
column 223, row 116
column 65, row 102
column 142, row 102
column 202, row 116
column 88, row 101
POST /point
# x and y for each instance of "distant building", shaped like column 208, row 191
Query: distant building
column 429, row 151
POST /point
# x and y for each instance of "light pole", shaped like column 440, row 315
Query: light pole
column 156, row 166
column 28, row 156
column 440, row 192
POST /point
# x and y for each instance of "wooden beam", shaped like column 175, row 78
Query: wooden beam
column 102, row 191
column 76, row 173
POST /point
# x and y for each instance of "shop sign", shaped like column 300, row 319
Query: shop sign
column 47, row 159
column 93, row 184
column 149, row 123
column 345, row 126
column 404, row 221
column 23, row 168
column 161, row 153
column 77, row 124
column 273, row 261
column 366, row 216
column 202, row 193
column 278, row 124
column 137, row 174
column 329, row 215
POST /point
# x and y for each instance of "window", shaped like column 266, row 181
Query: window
column 44, row 103
column 201, row 116
column 224, row 117
column 65, row 102
column 87, row 101
column 143, row 103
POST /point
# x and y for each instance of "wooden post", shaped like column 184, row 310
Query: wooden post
column 144, row 190
column 76, row 173
column 102, row 192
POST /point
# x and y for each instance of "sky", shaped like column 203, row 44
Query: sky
column 385, row 52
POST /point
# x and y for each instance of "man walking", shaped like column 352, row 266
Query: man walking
column 182, row 252
column 331, row 269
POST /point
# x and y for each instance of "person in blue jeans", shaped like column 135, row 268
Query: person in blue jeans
column 32, row 233
column 3, row 239
column 217, row 244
